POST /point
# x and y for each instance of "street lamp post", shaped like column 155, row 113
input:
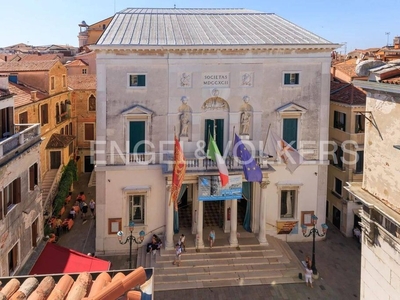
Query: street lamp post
column 314, row 231
column 131, row 239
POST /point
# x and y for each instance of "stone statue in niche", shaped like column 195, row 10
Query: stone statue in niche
column 245, row 116
column 185, row 122
column 185, row 80
column 184, row 106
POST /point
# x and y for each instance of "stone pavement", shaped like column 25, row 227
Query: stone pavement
column 338, row 260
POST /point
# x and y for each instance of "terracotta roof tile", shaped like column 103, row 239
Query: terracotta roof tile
column 82, row 82
column 35, row 57
column 393, row 80
column 23, row 94
column 347, row 93
column 26, row 66
column 85, row 285
column 348, row 67
column 58, row 141
column 76, row 63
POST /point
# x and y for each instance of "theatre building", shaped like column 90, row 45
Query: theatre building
column 196, row 72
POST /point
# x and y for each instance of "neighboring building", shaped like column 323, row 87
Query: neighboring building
column 379, row 191
column 83, row 96
column 346, row 132
column 21, row 212
column 90, row 34
column 209, row 66
column 42, row 96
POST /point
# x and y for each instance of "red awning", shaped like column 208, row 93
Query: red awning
column 55, row 259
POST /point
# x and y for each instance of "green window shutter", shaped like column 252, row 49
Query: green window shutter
column 219, row 131
column 141, row 80
column 290, row 132
column 287, row 78
column 136, row 136
column 296, row 80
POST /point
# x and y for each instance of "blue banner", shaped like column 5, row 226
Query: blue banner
column 210, row 188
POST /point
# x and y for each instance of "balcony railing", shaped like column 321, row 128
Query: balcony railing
column 192, row 163
column 24, row 134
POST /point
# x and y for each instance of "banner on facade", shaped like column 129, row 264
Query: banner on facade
column 287, row 227
column 210, row 188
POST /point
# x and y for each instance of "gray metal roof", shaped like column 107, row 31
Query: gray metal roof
column 195, row 27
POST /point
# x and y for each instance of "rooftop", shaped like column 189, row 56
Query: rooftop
column 23, row 94
column 190, row 27
column 27, row 66
column 347, row 93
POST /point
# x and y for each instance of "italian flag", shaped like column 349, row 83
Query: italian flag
column 215, row 155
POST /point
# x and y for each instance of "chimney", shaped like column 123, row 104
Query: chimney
column 5, row 58
column 4, row 82
column 33, row 96
column 396, row 42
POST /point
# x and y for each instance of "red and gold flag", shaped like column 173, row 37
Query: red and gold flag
column 178, row 173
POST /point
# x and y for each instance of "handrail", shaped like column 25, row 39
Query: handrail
column 152, row 231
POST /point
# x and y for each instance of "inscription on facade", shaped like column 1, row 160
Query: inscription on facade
column 215, row 79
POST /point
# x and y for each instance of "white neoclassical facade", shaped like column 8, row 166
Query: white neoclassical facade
column 189, row 72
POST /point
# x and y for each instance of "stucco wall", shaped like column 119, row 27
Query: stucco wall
column 381, row 159
column 15, row 227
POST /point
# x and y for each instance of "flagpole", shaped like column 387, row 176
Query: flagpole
column 266, row 138
column 232, row 145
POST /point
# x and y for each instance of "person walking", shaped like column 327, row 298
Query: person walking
column 84, row 210
column 308, row 275
column 211, row 238
column 92, row 205
column 182, row 242
column 80, row 199
column 178, row 254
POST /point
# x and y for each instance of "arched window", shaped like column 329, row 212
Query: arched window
column 70, row 128
column 66, row 129
column 58, row 119
column 62, row 131
column 92, row 103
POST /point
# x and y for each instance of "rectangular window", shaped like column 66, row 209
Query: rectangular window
column 52, row 85
column 288, row 204
column 33, row 176
column 136, row 80
column 13, row 260
column 44, row 114
column 89, row 132
column 136, row 208
column 289, row 133
column 12, row 194
column 338, row 158
column 137, row 136
column 71, row 148
column 23, row 118
column 291, row 78
column 360, row 162
column 360, row 121
column 84, row 71
column 216, row 128
column 338, row 187
column 339, row 120
column 64, row 81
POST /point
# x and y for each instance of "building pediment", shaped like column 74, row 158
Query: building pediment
column 291, row 108
column 137, row 110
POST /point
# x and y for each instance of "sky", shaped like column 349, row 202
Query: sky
column 357, row 24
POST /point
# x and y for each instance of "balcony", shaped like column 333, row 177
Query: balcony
column 25, row 136
column 200, row 164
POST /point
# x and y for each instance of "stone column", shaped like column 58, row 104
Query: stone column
column 263, row 212
column 199, row 235
column 169, row 218
column 233, row 241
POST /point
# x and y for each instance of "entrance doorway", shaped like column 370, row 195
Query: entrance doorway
column 213, row 214
column 336, row 217
column 89, row 166
column 55, row 159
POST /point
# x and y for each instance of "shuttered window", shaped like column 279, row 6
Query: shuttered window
column 289, row 134
column 44, row 114
column 137, row 136
column 291, row 78
column 89, row 131
column 137, row 80
column 216, row 128
column 33, row 176
column 23, row 118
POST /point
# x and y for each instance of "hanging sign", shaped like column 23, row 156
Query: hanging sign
column 210, row 188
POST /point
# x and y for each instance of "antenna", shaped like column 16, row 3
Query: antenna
column 345, row 47
column 387, row 39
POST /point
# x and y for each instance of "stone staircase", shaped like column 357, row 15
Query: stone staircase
column 92, row 180
column 252, row 264
column 48, row 182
